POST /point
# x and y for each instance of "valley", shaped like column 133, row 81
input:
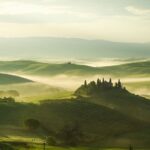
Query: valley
column 46, row 93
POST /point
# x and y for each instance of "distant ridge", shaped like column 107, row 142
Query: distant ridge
column 69, row 48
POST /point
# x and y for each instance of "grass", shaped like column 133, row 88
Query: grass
column 138, row 69
column 110, row 117
column 35, row 92
column 61, row 95
column 37, row 144
column 97, row 122
column 41, row 147
column 79, row 148
column 29, row 91
column 140, row 88
column 12, row 79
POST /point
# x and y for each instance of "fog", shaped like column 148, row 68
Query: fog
column 63, row 81
column 102, row 62
column 71, row 83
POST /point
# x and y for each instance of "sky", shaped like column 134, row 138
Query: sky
column 113, row 20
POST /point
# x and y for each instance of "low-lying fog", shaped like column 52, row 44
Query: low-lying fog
column 95, row 62
column 136, row 85
column 139, row 86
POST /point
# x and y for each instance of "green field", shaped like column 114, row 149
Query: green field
column 64, row 78
column 137, row 69
column 111, row 118
column 41, row 147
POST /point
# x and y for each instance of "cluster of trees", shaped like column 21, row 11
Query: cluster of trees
column 104, row 84
column 99, row 85
column 7, row 100
column 32, row 124
column 69, row 135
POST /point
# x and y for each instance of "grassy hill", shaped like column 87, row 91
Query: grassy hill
column 115, row 96
column 111, row 117
column 139, row 72
column 101, row 125
column 34, row 91
column 12, row 79
column 138, row 69
column 29, row 91
column 38, row 68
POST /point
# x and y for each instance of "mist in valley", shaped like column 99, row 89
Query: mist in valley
column 74, row 74
column 138, row 86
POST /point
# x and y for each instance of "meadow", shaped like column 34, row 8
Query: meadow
column 46, row 92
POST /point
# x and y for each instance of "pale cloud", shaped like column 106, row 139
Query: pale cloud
column 116, row 28
column 90, row 19
column 138, row 11
column 21, row 8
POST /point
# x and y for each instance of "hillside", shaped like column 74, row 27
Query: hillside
column 12, row 79
column 115, row 96
column 68, row 75
column 106, row 114
column 38, row 68
column 138, row 69
column 34, row 91
column 102, row 126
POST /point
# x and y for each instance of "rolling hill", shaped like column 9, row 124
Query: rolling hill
column 27, row 89
column 39, row 68
column 101, row 125
column 101, row 118
column 137, row 69
column 12, row 79
column 35, row 91
column 117, row 97
column 68, row 75
column 111, row 117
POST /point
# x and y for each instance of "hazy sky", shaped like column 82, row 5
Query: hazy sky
column 115, row 20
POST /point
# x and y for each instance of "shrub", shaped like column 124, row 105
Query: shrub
column 32, row 124
column 71, row 135
column 4, row 146
column 51, row 141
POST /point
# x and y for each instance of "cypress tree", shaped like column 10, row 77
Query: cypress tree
column 85, row 83
column 98, row 82
column 110, row 82
column 119, row 84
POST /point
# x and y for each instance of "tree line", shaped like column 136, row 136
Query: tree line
column 100, row 85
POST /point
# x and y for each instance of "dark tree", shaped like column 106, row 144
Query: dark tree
column 119, row 84
column 7, row 100
column 98, row 83
column 85, row 83
column 92, row 87
column 71, row 135
column 32, row 124
column 51, row 141
column 110, row 82
column 103, row 81
column 99, row 87
column 130, row 147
